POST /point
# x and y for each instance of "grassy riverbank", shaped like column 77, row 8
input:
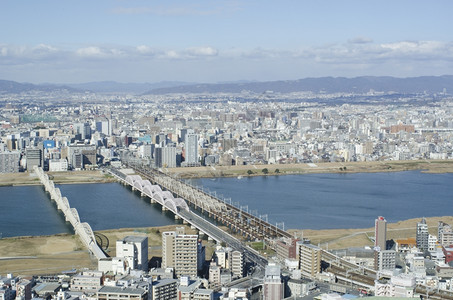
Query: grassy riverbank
column 431, row 166
column 56, row 253
column 25, row 178
column 33, row 255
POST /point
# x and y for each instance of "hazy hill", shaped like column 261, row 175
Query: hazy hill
column 430, row 84
column 13, row 87
column 132, row 88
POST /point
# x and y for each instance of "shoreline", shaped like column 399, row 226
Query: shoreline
column 243, row 171
column 425, row 166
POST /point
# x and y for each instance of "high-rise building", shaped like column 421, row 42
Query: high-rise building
column 83, row 130
column 35, row 157
column 135, row 250
column 191, row 143
column 9, row 162
column 380, row 233
column 180, row 251
column 165, row 157
column 273, row 287
column 309, row 258
column 236, row 263
column 421, row 237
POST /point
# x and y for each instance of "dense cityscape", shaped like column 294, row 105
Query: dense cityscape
column 72, row 132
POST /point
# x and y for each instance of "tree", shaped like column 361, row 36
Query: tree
column 277, row 171
column 249, row 172
column 265, row 171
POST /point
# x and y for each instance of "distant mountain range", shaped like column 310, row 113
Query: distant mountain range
column 133, row 88
column 13, row 87
column 430, row 84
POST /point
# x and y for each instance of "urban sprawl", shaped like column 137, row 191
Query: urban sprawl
column 62, row 131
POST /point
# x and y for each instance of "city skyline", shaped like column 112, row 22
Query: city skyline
column 222, row 40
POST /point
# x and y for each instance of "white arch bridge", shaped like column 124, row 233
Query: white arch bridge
column 82, row 229
column 155, row 193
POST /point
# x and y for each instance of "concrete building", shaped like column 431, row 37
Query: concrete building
column 180, row 251
column 58, row 165
column 80, row 155
column 186, row 259
column 23, row 289
column 191, row 143
column 90, row 281
column 35, row 157
column 380, row 233
column 422, row 235
column 214, row 274
column 164, row 289
column 309, row 259
column 165, row 157
column 82, row 131
column 272, row 287
column 385, row 260
column 134, row 249
column 121, row 293
column 445, row 234
column 300, row 287
column 9, row 162
column 236, row 263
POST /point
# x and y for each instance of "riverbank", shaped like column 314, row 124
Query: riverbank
column 56, row 253
column 73, row 177
column 345, row 238
column 69, row 177
column 36, row 255
column 429, row 166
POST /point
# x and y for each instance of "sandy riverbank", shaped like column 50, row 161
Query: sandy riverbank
column 431, row 166
column 56, row 253
column 25, row 178
column 34, row 255
column 344, row 238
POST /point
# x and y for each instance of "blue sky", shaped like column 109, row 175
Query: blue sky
column 216, row 41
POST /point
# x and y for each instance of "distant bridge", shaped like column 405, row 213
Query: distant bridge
column 82, row 229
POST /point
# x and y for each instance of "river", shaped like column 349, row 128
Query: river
column 314, row 201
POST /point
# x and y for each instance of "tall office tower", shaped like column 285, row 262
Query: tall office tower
column 191, row 149
column 273, row 287
column 104, row 127
column 422, row 235
column 83, row 129
column 380, row 233
column 180, row 251
column 134, row 249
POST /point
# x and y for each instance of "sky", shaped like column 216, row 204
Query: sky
column 54, row 41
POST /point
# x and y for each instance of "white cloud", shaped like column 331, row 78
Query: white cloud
column 90, row 51
column 412, row 58
column 202, row 51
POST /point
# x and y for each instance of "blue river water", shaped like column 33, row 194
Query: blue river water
column 327, row 201
column 314, row 201
column 27, row 210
